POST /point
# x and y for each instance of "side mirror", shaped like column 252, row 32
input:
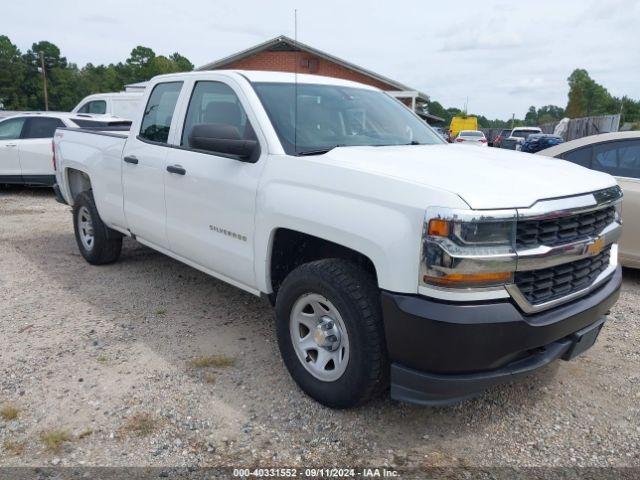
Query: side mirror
column 222, row 138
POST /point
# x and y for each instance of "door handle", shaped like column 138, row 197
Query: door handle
column 131, row 159
column 176, row 169
column 11, row 145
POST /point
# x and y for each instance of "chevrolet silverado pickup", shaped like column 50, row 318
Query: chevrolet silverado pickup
column 392, row 258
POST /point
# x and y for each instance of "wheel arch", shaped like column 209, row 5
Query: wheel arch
column 77, row 181
column 290, row 248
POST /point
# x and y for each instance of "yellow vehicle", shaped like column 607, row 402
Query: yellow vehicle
column 462, row 123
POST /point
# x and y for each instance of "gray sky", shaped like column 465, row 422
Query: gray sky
column 503, row 55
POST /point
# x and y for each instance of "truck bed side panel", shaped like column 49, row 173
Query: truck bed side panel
column 99, row 155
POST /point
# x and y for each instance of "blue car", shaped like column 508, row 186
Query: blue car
column 539, row 141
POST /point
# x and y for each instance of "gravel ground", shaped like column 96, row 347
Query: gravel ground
column 150, row 362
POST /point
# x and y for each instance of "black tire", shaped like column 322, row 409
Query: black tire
column 106, row 244
column 355, row 295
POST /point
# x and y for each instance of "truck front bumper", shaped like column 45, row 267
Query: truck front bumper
column 442, row 352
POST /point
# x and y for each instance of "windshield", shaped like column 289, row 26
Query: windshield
column 472, row 133
column 329, row 116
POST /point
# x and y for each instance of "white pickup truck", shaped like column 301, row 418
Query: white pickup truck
column 392, row 258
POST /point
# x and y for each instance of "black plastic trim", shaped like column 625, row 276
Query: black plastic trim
column 450, row 342
column 58, row 194
column 12, row 179
column 205, row 152
column 44, row 180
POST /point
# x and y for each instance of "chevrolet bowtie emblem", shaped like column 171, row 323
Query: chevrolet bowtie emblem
column 595, row 247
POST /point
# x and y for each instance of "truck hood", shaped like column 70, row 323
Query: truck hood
column 485, row 178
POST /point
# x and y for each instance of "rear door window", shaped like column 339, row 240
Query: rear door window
column 580, row 156
column 42, row 127
column 158, row 113
column 621, row 158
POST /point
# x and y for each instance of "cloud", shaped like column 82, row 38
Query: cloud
column 99, row 18
column 253, row 31
column 481, row 41
column 532, row 85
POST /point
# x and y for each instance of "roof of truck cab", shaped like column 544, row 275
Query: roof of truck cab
column 259, row 76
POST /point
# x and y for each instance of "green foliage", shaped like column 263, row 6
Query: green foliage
column 587, row 98
column 540, row 116
column 21, row 77
column 12, row 71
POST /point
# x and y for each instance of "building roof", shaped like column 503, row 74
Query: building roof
column 282, row 42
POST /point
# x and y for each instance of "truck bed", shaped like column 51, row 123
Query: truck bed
column 97, row 153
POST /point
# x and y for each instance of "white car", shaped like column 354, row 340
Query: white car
column 25, row 143
column 471, row 137
column 117, row 104
column 618, row 154
column 520, row 134
column 391, row 256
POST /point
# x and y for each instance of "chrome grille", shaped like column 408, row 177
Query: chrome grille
column 539, row 286
column 556, row 231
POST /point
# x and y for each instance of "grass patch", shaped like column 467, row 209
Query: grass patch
column 161, row 311
column 212, row 361
column 140, row 424
column 13, row 448
column 210, row 378
column 9, row 412
column 102, row 359
column 85, row 433
column 54, row 439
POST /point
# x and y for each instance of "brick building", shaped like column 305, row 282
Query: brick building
column 283, row 53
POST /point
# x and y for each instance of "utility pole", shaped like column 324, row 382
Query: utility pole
column 44, row 82
column 513, row 119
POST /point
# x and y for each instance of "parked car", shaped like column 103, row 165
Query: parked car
column 504, row 133
column 617, row 154
column 390, row 255
column 25, row 143
column 520, row 134
column 117, row 104
column 440, row 131
column 539, row 141
column 471, row 137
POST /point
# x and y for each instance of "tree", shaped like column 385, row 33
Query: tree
column 11, row 74
column 182, row 63
column 21, row 78
column 531, row 117
column 586, row 97
column 550, row 114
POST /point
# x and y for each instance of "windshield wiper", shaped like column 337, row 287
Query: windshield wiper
column 413, row 142
column 319, row 151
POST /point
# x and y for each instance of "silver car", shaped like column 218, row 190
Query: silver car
column 618, row 154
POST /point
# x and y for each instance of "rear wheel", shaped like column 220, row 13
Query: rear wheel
column 330, row 332
column 98, row 243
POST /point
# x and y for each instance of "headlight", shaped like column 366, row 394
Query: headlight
column 465, row 249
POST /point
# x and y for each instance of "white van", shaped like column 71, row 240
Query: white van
column 117, row 104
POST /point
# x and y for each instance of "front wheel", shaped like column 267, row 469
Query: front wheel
column 330, row 332
column 98, row 243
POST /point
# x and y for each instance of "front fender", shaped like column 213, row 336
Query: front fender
column 376, row 216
